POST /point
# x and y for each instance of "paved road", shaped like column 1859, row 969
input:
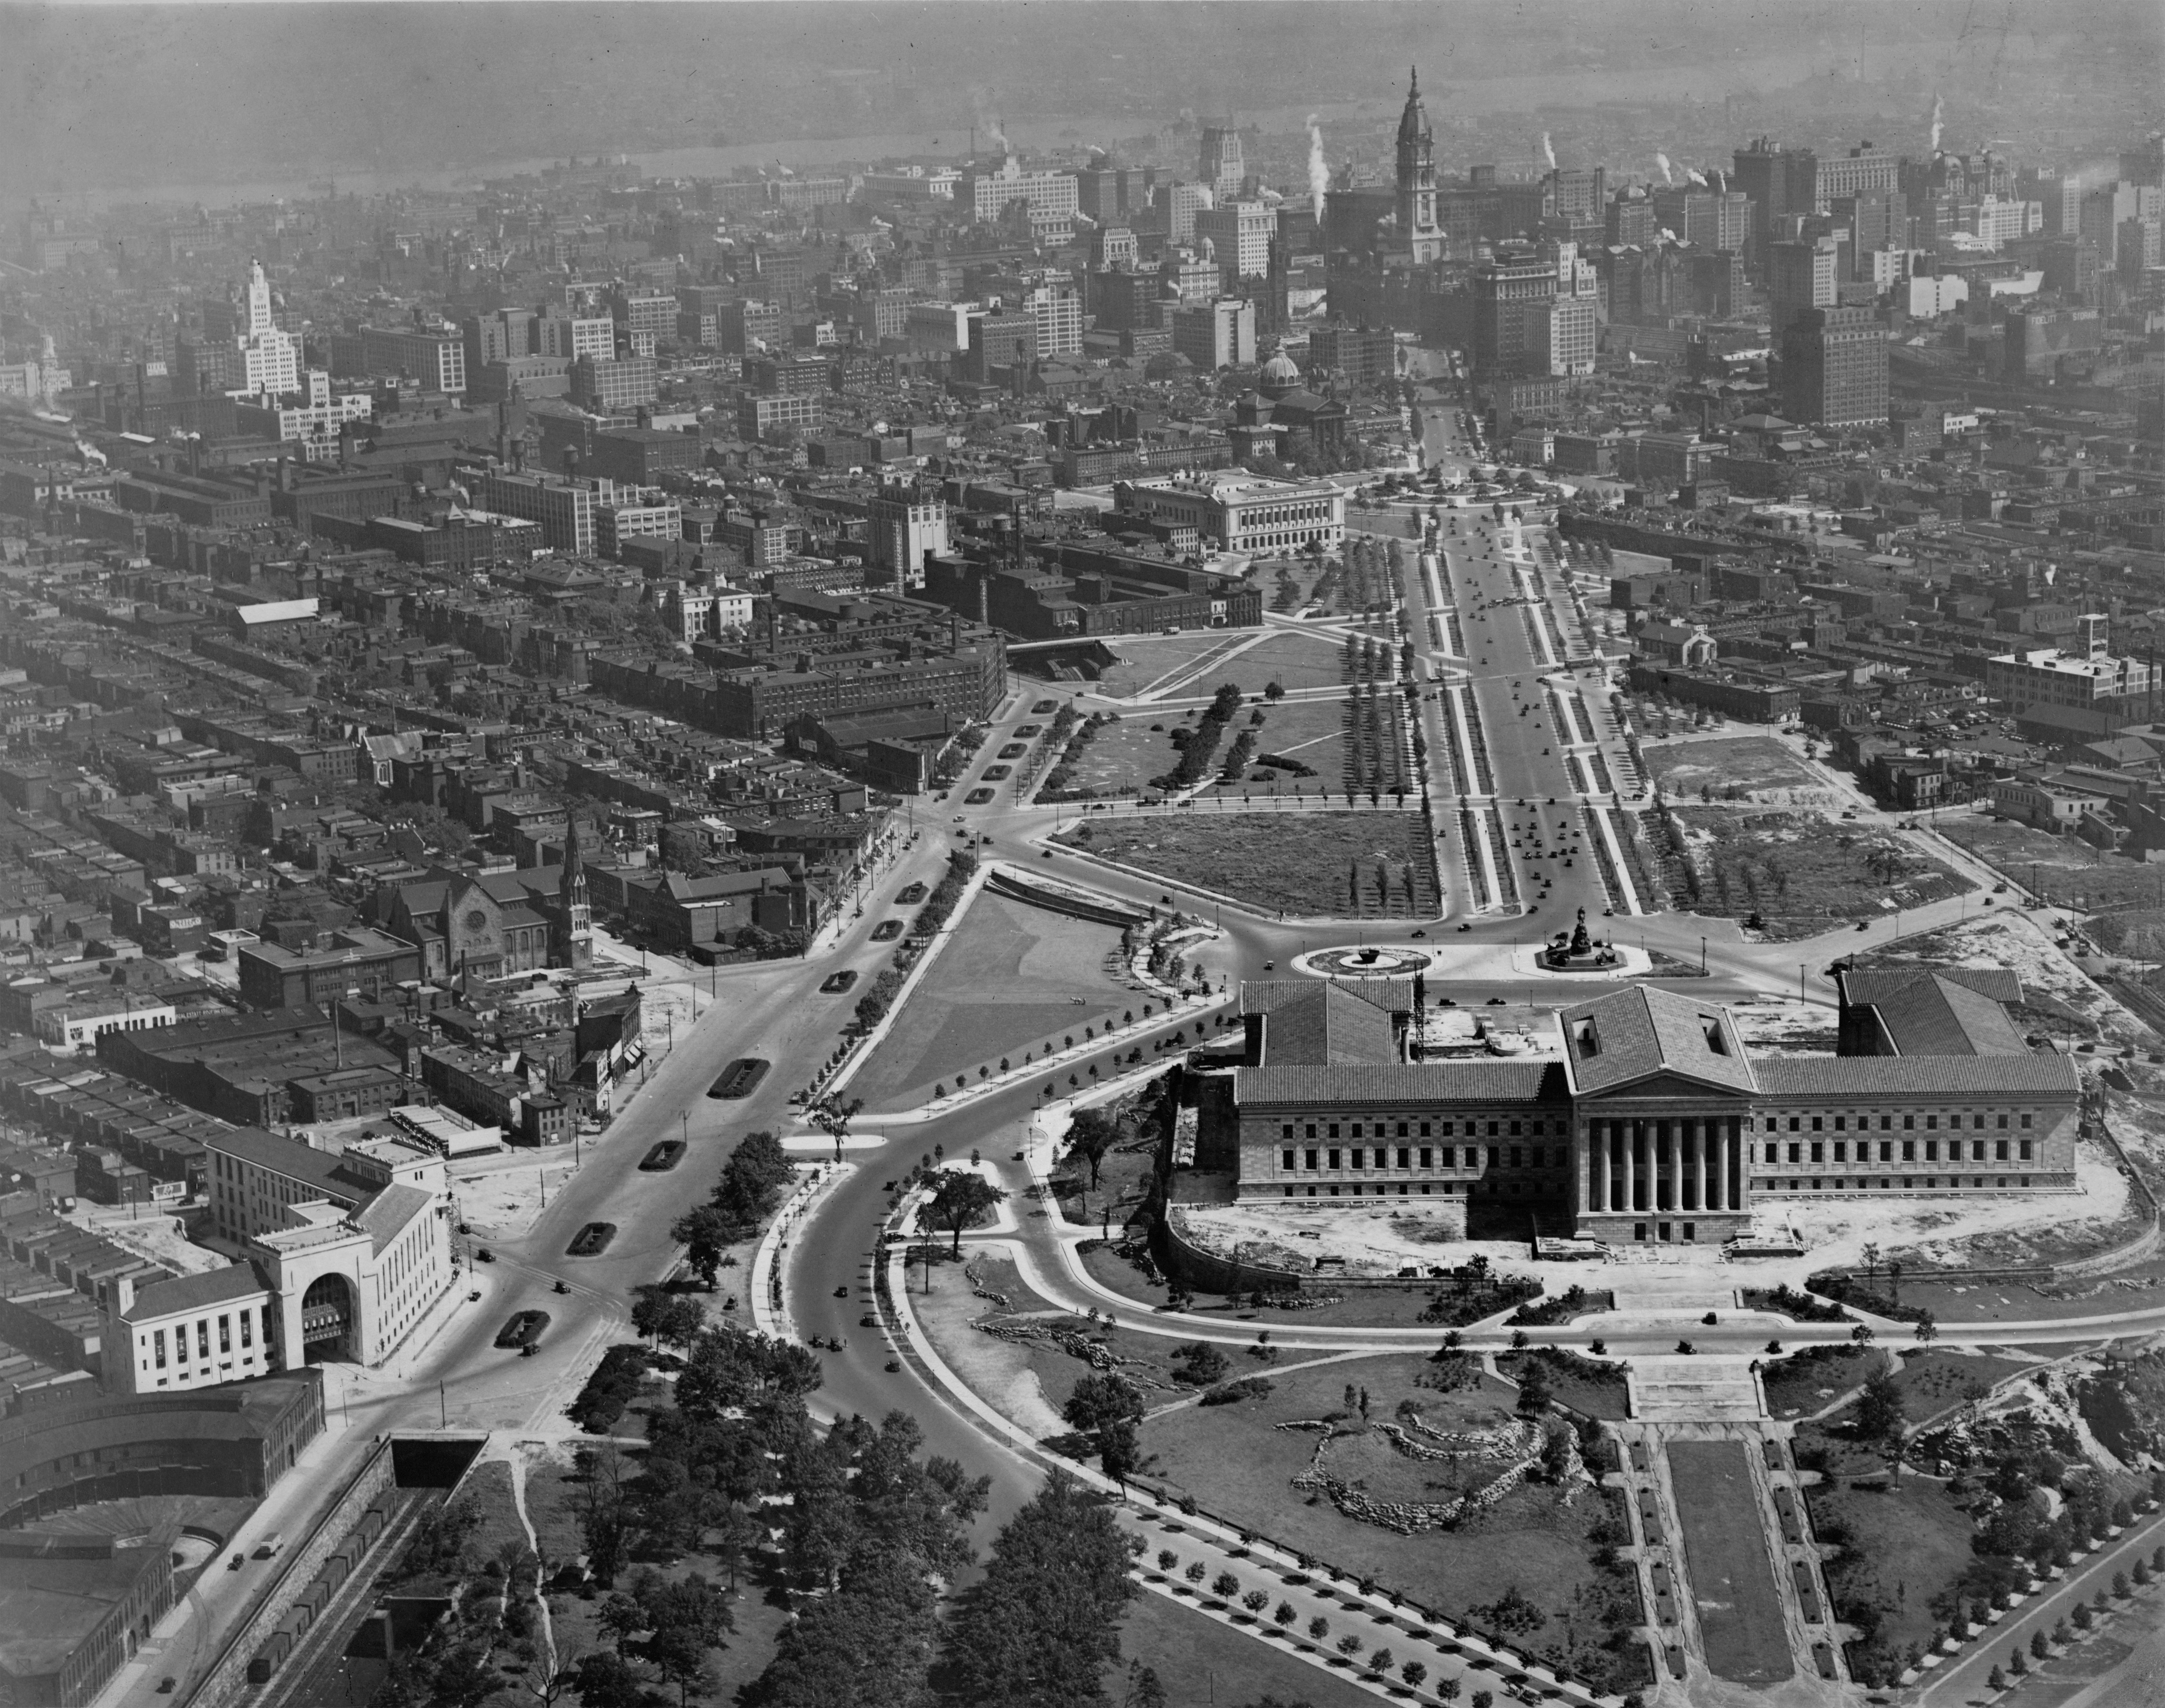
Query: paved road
column 776, row 1011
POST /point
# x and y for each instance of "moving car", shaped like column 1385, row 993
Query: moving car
column 740, row 1078
column 886, row 931
column 592, row 1240
column 834, row 984
column 663, row 1157
column 522, row 1329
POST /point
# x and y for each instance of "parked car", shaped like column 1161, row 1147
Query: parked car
column 886, row 931
column 483, row 1255
column 592, row 1240
column 834, row 984
column 663, row 1157
column 741, row 1078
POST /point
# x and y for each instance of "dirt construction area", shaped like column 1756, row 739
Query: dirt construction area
column 1751, row 768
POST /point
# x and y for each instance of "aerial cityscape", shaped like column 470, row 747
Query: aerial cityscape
column 959, row 856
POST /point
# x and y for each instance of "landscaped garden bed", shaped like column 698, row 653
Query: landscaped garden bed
column 1792, row 872
column 1740, row 1609
column 1535, row 1566
column 1332, row 865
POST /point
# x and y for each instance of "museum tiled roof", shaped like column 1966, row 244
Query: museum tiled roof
column 1326, row 1026
column 1641, row 1031
column 1956, row 1076
column 1432, row 1082
column 1923, row 1011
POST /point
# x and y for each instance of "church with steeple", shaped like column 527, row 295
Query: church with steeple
column 571, row 933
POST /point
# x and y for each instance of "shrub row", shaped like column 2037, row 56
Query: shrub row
column 613, row 1385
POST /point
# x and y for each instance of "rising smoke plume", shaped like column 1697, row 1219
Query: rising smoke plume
column 1939, row 110
column 1548, row 153
column 1696, row 176
column 1662, row 162
column 1319, row 169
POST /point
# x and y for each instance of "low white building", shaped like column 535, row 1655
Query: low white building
column 1237, row 511
column 79, row 1021
column 354, row 1245
column 189, row 1332
column 2084, row 675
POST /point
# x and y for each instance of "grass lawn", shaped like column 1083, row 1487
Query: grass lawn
column 1808, row 1381
column 1573, row 1389
column 1901, row 1546
column 1292, row 660
column 552, row 1498
column 1199, row 1660
column 1239, row 1465
column 1739, row 1610
column 1732, row 767
column 1311, row 731
column 1306, row 869
column 1125, row 756
column 1797, row 871
column 1154, row 663
column 2136, row 1287
column 1932, row 1381
column 1012, row 978
column 487, row 1490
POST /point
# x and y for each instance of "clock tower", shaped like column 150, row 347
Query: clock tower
column 1418, row 227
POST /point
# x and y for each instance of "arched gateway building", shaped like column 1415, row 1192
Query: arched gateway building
column 1640, row 1116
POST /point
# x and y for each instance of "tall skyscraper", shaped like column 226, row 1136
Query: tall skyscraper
column 1834, row 368
column 1219, row 164
column 1239, row 234
column 1800, row 275
column 1415, row 207
column 1510, row 292
column 270, row 357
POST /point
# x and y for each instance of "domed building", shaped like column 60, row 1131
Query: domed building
column 1281, row 374
column 1281, row 407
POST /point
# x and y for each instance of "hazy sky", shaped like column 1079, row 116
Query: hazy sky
column 111, row 97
